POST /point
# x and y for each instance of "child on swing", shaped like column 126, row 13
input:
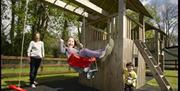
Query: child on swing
column 84, row 52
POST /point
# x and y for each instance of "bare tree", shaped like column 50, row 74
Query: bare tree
column 166, row 18
column 169, row 18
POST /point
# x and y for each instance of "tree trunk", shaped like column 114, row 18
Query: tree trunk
column 12, row 24
column 41, row 23
column 65, row 33
column 79, row 33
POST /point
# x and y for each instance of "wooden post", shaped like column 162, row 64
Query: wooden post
column 176, row 64
column 111, row 74
column 141, row 69
column 161, row 55
column 119, row 51
column 156, row 55
column 109, row 27
column 83, row 31
column 141, row 29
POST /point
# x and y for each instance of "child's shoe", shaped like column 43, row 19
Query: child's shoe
column 108, row 49
column 36, row 83
column 103, row 53
column 88, row 75
column 93, row 70
column 86, row 69
column 33, row 85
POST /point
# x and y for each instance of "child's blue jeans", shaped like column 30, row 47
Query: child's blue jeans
column 90, row 53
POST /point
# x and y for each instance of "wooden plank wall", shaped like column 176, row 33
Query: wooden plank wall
column 111, row 68
column 108, row 78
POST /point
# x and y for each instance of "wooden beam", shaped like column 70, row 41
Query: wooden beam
column 89, row 5
column 140, row 7
column 102, row 19
column 139, row 24
column 120, row 51
column 65, row 6
column 131, row 6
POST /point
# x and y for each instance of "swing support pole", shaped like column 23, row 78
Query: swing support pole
column 22, row 46
column 14, row 87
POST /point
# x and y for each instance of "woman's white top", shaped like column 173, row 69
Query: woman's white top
column 36, row 49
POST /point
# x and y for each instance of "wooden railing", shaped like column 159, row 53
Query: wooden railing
column 150, row 43
column 132, row 29
column 171, row 64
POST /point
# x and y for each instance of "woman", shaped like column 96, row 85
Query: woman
column 35, row 55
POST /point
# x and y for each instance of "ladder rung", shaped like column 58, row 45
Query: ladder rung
column 156, row 70
column 168, row 87
column 157, row 65
column 149, row 56
column 161, row 76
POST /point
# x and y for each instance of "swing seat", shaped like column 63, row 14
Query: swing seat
column 14, row 87
column 81, row 62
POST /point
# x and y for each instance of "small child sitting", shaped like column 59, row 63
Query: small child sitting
column 130, row 77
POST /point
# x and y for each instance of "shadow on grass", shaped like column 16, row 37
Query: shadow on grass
column 55, row 83
column 148, row 78
column 63, row 83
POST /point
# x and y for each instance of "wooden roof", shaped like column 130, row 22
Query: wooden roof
column 137, row 6
column 151, row 27
column 95, row 9
column 111, row 6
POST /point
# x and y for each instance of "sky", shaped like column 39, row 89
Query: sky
column 160, row 2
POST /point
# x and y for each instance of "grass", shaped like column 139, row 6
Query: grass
column 25, row 79
column 171, row 76
column 26, row 70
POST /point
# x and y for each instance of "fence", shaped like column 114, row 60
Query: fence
column 171, row 64
column 10, row 66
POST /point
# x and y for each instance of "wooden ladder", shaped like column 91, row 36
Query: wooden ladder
column 153, row 66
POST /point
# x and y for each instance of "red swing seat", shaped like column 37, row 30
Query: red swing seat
column 80, row 62
column 14, row 87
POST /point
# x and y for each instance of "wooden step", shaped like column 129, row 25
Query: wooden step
column 154, row 66
column 150, row 57
column 161, row 76
column 143, row 44
column 157, row 65
column 168, row 87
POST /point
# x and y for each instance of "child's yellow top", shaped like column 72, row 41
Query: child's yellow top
column 130, row 77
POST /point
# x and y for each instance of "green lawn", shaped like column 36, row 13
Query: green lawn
column 172, row 77
column 26, row 70
column 25, row 79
